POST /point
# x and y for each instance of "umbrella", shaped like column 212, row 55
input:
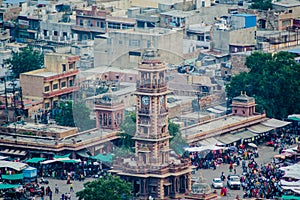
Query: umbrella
column 252, row 145
column 232, row 148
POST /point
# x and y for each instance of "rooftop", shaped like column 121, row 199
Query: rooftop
column 179, row 13
column 43, row 127
column 287, row 3
column 215, row 124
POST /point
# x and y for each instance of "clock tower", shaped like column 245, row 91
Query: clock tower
column 152, row 136
column 154, row 170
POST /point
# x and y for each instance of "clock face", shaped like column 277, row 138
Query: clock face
column 145, row 100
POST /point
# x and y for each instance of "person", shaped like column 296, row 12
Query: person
column 71, row 187
column 50, row 194
column 56, row 189
column 223, row 191
column 223, row 176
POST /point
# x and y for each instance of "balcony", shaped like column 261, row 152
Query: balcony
column 88, row 29
column 143, row 112
column 150, row 88
column 62, row 75
column 60, row 92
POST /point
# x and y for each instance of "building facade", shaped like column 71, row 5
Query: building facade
column 55, row 82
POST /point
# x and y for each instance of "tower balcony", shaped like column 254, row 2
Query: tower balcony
column 144, row 112
column 151, row 88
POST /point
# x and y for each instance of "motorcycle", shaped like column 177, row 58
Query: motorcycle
column 43, row 181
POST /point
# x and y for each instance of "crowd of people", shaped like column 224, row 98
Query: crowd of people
column 260, row 181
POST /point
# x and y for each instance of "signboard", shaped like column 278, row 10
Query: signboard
column 23, row 22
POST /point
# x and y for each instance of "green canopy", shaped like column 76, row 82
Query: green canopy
column 8, row 186
column 290, row 197
column 70, row 161
column 103, row 158
column 13, row 176
column 63, row 156
column 294, row 119
column 35, row 160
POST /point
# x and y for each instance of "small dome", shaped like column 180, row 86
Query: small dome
column 243, row 98
column 150, row 54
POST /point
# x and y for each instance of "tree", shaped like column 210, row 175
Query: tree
column 77, row 114
column 128, row 128
column 274, row 82
column 261, row 4
column 173, row 128
column 106, row 188
column 24, row 61
column 177, row 142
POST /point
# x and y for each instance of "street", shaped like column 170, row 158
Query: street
column 64, row 187
column 266, row 154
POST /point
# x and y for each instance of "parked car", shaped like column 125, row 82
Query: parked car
column 270, row 143
column 233, row 182
column 217, row 183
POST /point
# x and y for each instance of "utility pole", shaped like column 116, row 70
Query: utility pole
column 198, row 94
column 6, row 102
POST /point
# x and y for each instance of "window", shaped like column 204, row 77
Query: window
column 130, row 78
column 55, row 33
column 47, row 89
column 64, row 68
column 117, row 77
column 127, row 26
column 145, row 130
column 235, row 111
column 134, row 43
column 200, row 37
column 290, row 11
column 71, row 83
column 71, row 65
column 45, row 33
column 55, row 86
column 80, row 22
column 98, row 24
column 47, row 105
column 65, row 34
column 114, row 25
column 63, row 84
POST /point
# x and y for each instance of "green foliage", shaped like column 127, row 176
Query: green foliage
column 106, row 188
column 274, row 82
column 173, row 128
column 74, row 115
column 261, row 4
column 24, row 61
column 178, row 143
column 128, row 128
column 123, row 152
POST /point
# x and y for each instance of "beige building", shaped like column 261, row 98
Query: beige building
column 122, row 48
column 234, row 40
column 288, row 6
column 54, row 82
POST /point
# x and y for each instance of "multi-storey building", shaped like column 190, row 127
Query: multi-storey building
column 93, row 21
column 54, row 82
column 122, row 48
